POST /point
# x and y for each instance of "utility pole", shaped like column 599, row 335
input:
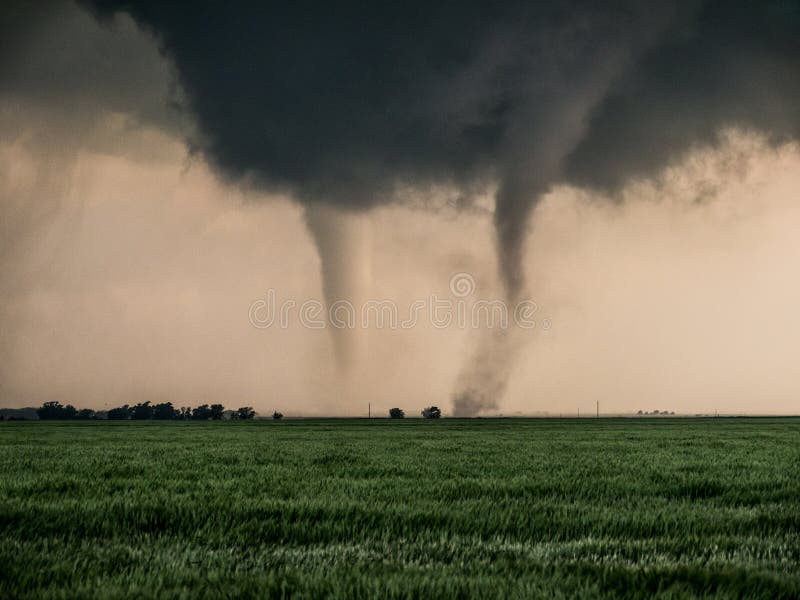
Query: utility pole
column 598, row 409
column 369, row 410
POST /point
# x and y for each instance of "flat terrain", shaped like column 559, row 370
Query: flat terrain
column 356, row 508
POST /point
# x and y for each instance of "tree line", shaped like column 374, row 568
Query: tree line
column 163, row 411
column 431, row 412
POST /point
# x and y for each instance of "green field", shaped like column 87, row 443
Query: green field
column 357, row 508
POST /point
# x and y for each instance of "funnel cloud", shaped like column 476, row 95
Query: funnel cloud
column 342, row 240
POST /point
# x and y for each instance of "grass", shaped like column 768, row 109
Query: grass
column 389, row 509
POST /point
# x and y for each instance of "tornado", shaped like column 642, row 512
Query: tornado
column 342, row 239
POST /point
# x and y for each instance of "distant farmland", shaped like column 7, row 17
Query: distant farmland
column 357, row 508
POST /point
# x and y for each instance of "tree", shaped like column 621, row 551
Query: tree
column 245, row 412
column 85, row 413
column 396, row 413
column 432, row 412
column 277, row 416
column 50, row 410
column 55, row 410
column 120, row 413
column 165, row 411
column 216, row 411
column 201, row 413
column 142, row 411
column 185, row 413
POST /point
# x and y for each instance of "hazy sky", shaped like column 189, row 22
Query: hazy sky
column 130, row 258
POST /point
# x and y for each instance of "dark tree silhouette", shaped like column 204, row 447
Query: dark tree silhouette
column 245, row 412
column 85, row 413
column 142, row 411
column 165, row 411
column 277, row 416
column 50, row 410
column 432, row 412
column 396, row 413
column 56, row 411
column 120, row 413
column 201, row 413
column 145, row 410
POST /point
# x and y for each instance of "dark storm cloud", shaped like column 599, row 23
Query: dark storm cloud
column 57, row 63
column 341, row 102
column 60, row 75
column 346, row 102
column 734, row 64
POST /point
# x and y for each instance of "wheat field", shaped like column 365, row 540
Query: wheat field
column 401, row 508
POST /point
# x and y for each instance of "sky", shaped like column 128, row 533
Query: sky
column 628, row 177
